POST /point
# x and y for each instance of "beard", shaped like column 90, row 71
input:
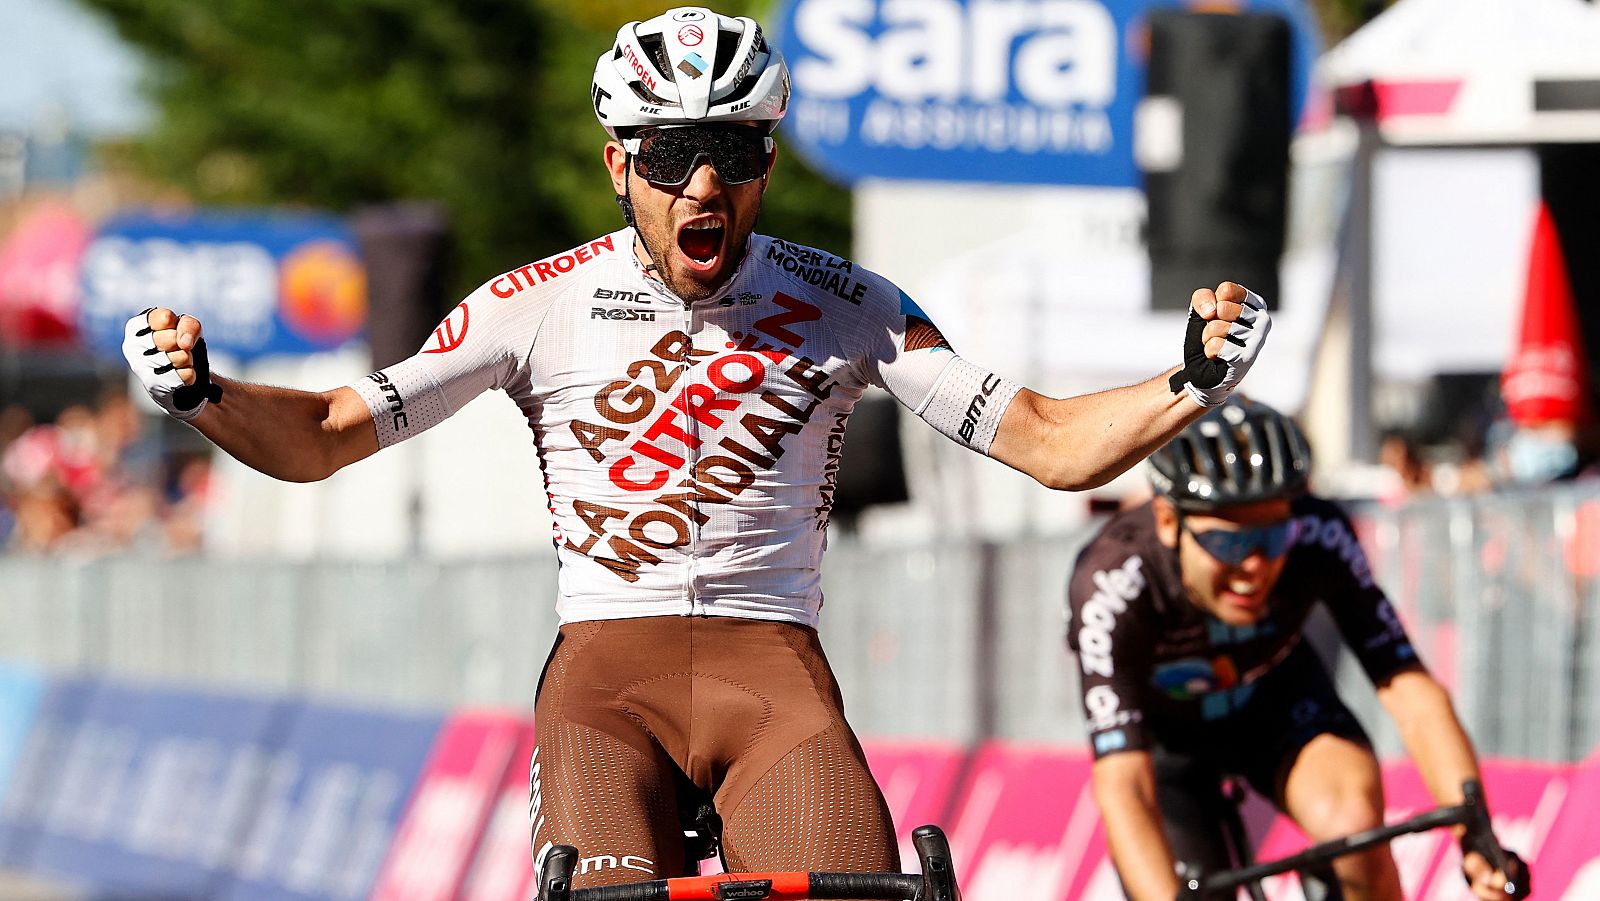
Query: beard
column 660, row 237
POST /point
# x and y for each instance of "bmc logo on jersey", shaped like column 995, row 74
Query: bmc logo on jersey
column 624, row 296
column 622, row 313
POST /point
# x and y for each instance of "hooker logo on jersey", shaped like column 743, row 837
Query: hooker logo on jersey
column 1113, row 590
column 447, row 337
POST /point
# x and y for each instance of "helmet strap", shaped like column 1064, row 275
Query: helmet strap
column 625, row 201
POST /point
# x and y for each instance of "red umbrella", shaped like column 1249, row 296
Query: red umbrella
column 1547, row 377
column 39, row 275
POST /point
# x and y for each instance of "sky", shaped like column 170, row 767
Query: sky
column 58, row 57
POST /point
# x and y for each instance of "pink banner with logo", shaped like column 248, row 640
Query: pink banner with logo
column 452, row 803
column 917, row 779
column 502, row 869
column 1567, row 867
column 1028, row 828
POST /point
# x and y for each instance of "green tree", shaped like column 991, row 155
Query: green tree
column 481, row 104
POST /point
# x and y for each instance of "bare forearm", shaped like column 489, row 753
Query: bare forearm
column 1432, row 733
column 296, row 436
column 1086, row 441
column 1133, row 834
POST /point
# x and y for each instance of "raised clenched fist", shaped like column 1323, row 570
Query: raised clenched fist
column 168, row 354
column 1227, row 328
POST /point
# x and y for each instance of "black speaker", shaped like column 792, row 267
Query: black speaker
column 406, row 248
column 871, row 467
column 1214, row 143
column 1569, row 177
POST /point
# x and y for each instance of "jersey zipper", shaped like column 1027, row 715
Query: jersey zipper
column 692, row 455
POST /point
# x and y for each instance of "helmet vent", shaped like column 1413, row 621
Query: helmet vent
column 657, row 51
column 727, row 45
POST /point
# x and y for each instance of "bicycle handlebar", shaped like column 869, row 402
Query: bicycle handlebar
column 1472, row 813
column 935, row 883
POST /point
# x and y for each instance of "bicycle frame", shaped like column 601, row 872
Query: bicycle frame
column 936, row 882
column 1472, row 813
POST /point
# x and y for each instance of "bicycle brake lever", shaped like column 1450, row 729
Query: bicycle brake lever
column 555, row 877
column 938, row 873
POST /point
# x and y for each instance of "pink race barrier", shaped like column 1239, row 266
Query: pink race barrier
column 502, row 869
column 1028, row 828
column 917, row 779
column 449, row 807
column 1568, row 864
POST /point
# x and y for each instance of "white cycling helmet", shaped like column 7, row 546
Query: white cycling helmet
column 689, row 65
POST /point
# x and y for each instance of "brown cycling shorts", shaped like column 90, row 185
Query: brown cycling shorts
column 746, row 709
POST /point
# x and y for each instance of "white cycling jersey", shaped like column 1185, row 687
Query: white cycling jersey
column 689, row 451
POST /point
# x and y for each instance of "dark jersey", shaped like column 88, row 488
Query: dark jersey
column 1154, row 665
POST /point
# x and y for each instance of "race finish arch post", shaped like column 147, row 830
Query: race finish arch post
column 991, row 150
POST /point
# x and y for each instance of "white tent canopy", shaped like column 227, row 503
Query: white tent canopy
column 1477, row 71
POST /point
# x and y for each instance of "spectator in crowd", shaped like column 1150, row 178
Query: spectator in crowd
column 1409, row 474
column 92, row 481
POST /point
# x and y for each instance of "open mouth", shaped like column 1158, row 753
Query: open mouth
column 1245, row 595
column 700, row 241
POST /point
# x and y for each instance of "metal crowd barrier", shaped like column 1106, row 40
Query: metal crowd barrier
column 954, row 641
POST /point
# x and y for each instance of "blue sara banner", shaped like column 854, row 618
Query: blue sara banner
column 37, row 774
column 21, row 692
column 330, row 804
column 260, row 283
column 1020, row 91
column 157, row 790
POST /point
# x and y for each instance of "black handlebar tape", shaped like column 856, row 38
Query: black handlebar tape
column 876, row 886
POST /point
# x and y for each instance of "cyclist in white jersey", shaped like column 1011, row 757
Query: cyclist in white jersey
column 687, row 383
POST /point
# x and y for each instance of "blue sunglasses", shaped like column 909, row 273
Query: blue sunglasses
column 1234, row 546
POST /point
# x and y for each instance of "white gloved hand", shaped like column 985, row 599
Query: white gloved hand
column 163, row 380
column 1240, row 325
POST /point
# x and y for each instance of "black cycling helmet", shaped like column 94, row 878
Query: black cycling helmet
column 1237, row 453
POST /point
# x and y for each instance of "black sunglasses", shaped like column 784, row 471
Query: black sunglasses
column 668, row 156
column 1234, row 546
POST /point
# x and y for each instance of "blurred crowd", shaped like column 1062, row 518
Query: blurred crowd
column 1507, row 456
column 97, row 480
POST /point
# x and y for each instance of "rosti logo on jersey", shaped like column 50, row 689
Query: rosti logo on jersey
column 1114, row 588
column 447, row 336
column 622, row 314
column 538, row 273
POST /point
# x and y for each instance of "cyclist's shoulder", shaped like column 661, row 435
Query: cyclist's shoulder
column 1320, row 523
column 561, row 274
column 1120, row 558
column 1326, row 542
column 817, row 274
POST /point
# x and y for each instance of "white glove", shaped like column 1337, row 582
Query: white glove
column 1209, row 380
column 160, row 378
